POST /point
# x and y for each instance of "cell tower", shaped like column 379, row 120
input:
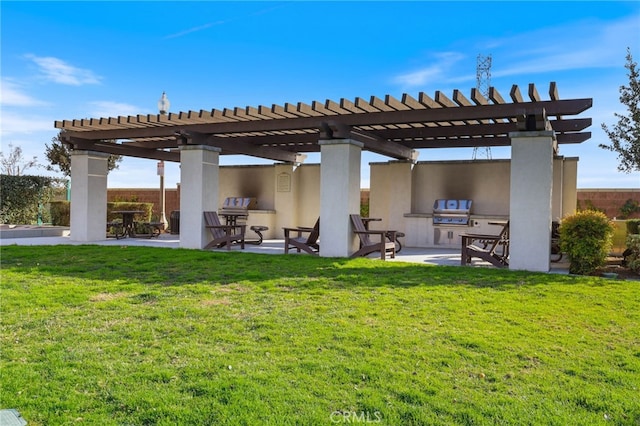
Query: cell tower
column 483, row 83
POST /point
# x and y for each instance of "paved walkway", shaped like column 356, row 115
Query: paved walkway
column 426, row 256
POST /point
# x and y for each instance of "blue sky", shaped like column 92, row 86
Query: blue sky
column 71, row 60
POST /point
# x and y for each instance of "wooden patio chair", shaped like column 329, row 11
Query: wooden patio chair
column 223, row 235
column 386, row 245
column 294, row 239
column 491, row 248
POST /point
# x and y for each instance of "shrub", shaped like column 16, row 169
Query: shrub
column 115, row 206
column 60, row 213
column 633, row 226
column 364, row 209
column 22, row 197
column 586, row 237
column 633, row 252
column 629, row 207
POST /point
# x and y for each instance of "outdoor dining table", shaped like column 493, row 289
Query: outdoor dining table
column 128, row 224
column 232, row 218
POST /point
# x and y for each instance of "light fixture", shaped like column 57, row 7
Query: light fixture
column 163, row 104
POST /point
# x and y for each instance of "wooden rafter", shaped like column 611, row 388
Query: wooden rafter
column 388, row 125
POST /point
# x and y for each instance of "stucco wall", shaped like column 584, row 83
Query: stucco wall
column 248, row 181
column 404, row 198
column 486, row 182
column 401, row 195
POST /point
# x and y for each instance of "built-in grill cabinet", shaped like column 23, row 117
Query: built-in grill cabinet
column 452, row 212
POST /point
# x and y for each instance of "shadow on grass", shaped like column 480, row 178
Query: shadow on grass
column 173, row 267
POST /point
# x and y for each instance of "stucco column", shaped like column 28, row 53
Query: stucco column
column 89, row 195
column 286, row 198
column 339, row 195
column 199, row 174
column 530, row 199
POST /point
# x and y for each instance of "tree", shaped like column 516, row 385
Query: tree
column 625, row 135
column 13, row 164
column 59, row 154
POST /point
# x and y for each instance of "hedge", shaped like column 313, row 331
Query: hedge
column 22, row 197
column 61, row 211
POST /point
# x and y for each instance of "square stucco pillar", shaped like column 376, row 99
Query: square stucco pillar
column 530, row 200
column 89, row 195
column 199, row 174
column 286, row 198
column 339, row 195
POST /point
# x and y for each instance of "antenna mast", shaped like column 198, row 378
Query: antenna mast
column 483, row 83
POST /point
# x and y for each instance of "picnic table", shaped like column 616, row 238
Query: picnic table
column 128, row 224
column 231, row 218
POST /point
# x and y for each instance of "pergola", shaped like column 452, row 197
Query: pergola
column 340, row 130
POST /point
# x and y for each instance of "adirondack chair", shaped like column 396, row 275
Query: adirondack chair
column 294, row 238
column 223, row 235
column 386, row 245
column 491, row 248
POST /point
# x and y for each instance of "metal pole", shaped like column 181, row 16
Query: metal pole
column 163, row 217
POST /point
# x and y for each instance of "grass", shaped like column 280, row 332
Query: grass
column 148, row 336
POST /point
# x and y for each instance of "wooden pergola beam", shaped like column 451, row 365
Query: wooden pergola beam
column 239, row 145
column 443, row 114
column 121, row 149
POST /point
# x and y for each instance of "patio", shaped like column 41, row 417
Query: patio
column 427, row 256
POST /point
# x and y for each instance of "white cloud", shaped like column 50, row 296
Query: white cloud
column 11, row 94
column 590, row 44
column 58, row 71
column 436, row 71
column 194, row 29
column 587, row 44
column 11, row 123
column 113, row 109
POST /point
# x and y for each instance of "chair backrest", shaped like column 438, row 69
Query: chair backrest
column 313, row 235
column 358, row 225
column 503, row 237
column 212, row 219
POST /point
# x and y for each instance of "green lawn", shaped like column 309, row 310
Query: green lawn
column 144, row 336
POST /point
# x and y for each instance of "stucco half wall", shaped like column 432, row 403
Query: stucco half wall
column 287, row 196
column 403, row 196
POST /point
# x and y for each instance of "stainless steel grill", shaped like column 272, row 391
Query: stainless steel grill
column 451, row 212
column 238, row 205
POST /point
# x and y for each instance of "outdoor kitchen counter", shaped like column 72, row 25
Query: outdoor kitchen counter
column 420, row 231
column 473, row 216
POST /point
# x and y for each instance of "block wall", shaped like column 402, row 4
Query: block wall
column 610, row 201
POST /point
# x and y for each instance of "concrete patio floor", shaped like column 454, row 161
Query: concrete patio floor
column 427, row 256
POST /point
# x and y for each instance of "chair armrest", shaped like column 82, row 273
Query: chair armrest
column 481, row 237
column 383, row 234
column 376, row 232
column 299, row 230
column 227, row 227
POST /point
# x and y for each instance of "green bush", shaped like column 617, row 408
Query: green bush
column 633, row 252
column 633, row 226
column 364, row 209
column 587, row 237
column 22, row 197
column 629, row 207
column 60, row 213
column 115, row 206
